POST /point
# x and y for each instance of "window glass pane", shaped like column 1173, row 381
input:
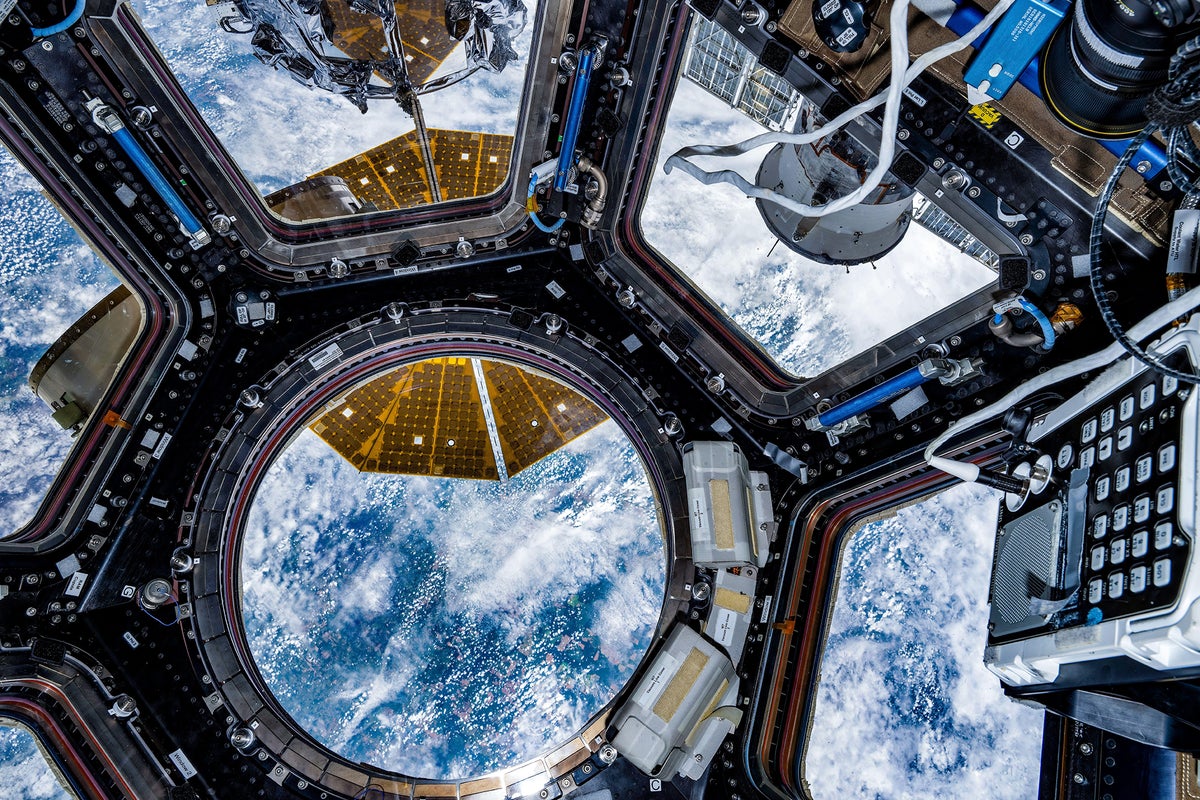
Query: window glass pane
column 809, row 316
column 24, row 772
column 903, row 685
column 283, row 129
column 48, row 279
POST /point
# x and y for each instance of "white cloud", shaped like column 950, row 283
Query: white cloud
column 459, row 626
column 808, row 316
column 280, row 131
column 903, row 685
column 23, row 769
column 48, row 279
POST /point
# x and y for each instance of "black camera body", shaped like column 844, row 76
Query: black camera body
column 1098, row 71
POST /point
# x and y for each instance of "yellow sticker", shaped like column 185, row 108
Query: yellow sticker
column 985, row 114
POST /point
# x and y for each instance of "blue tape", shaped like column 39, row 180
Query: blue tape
column 566, row 158
column 151, row 173
column 873, row 397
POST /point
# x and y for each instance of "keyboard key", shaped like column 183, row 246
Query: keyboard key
column 1137, row 580
column 1163, row 532
column 1108, row 418
column 1104, row 449
column 1088, row 432
column 1116, row 551
column 1164, row 501
column 1140, row 544
column 1100, row 526
column 1065, row 455
column 1121, row 479
column 1087, row 458
column 1120, row 518
column 1169, row 386
column 1147, row 396
column 1098, row 555
column 1095, row 590
column 1116, row 585
column 1141, row 508
column 1143, row 469
column 1162, row 572
column 1124, row 438
column 1103, row 486
column 1166, row 458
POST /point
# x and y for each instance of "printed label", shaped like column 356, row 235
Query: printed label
column 75, row 585
column 722, row 631
column 162, row 446
column 657, row 680
column 182, row 764
column 325, row 356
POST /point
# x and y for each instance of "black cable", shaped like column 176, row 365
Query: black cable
column 1173, row 107
column 1005, row 483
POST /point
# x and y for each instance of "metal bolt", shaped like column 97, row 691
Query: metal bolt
column 955, row 341
column 568, row 62
column 973, row 192
column 181, row 561
column 752, row 14
column 464, row 249
column 955, row 180
column 1039, row 274
column 222, row 224
column 142, row 117
column 553, row 323
column 627, row 298
column 47, row 45
column 241, row 738
column 1078, row 778
column 1086, row 748
column 902, row 135
column 338, row 268
column 771, row 26
column 608, row 754
column 1142, row 167
column 250, row 398
column 673, row 426
column 716, row 384
column 1026, row 238
column 938, row 163
column 155, row 593
column 701, row 591
column 124, row 706
column 394, row 311
column 1166, row 186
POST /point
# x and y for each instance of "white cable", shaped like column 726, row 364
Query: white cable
column 900, row 79
column 1180, row 307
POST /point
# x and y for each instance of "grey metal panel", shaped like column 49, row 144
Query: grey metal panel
column 209, row 616
column 221, row 659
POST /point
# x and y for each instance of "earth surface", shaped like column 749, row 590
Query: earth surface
column 903, row 689
column 444, row 628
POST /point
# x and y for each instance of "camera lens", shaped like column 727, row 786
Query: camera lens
column 1097, row 74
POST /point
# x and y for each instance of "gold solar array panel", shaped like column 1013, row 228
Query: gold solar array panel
column 392, row 175
column 428, row 419
column 422, row 27
column 534, row 415
column 425, row 419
